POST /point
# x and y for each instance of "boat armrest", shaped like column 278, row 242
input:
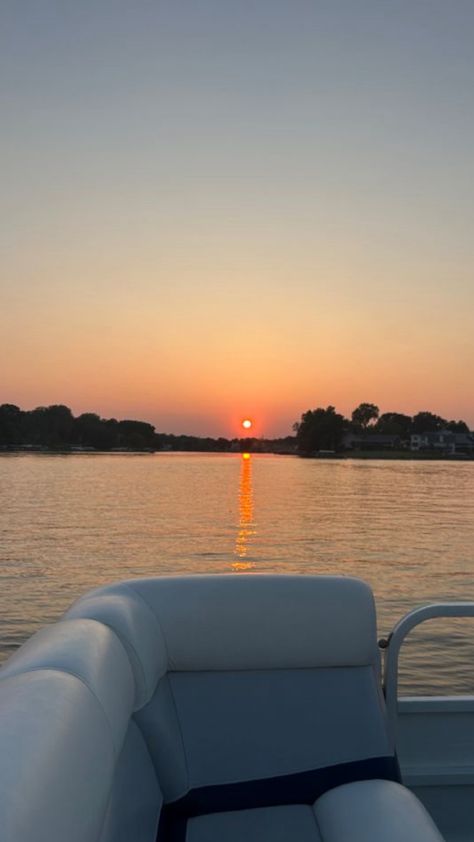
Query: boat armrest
column 374, row 810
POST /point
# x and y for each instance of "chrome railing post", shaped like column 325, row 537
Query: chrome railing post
column 397, row 637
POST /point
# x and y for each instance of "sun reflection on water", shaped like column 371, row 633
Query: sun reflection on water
column 246, row 522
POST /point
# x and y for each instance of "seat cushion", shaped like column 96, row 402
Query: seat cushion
column 214, row 729
column 370, row 811
column 56, row 759
column 92, row 653
column 262, row 621
column 366, row 811
column 295, row 823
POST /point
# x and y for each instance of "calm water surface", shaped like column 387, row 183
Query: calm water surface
column 69, row 523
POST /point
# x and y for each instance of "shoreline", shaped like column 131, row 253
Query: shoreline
column 396, row 456
column 380, row 455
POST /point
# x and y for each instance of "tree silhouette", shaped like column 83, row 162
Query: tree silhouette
column 319, row 429
column 394, row 424
column 457, row 427
column 364, row 414
column 427, row 422
column 10, row 424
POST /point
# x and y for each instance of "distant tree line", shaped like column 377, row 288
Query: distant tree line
column 168, row 441
column 325, row 429
column 56, row 428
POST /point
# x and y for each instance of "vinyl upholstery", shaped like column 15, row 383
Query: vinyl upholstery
column 212, row 702
column 249, row 676
column 73, row 764
column 366, row 811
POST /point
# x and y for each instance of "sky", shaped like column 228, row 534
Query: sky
column 213, row 209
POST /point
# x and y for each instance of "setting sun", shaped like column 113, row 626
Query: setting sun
column 247, row 423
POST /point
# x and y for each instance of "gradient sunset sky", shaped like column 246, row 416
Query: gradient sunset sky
column 214, row 209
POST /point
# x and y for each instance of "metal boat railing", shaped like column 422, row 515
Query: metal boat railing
column 395, row 640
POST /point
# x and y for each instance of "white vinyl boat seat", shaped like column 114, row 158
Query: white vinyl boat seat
column 366, row 811
column 202, row 709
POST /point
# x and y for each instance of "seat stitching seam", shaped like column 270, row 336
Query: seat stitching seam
column 318, row 826
column 157, row 620
column 180, row 733
column 126, row 644
column 173, row 699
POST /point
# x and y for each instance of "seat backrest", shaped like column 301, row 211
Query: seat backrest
column 251, row 683
column 66, row 699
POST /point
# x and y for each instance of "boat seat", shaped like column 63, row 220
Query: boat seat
column 367, row 811
column 254, row 694
column 204, row 708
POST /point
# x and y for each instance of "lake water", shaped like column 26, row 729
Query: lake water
column 69, row 523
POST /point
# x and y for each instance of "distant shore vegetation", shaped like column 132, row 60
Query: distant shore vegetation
column 324, row 430
column 55, row 428
column 320, row 432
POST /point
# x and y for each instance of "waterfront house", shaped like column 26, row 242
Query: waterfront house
column 443, row 441
column 464, row 442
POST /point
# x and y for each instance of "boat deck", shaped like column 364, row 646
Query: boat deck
column 435, row 738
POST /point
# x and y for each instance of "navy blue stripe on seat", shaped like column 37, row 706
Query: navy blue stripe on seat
column 298, row 788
